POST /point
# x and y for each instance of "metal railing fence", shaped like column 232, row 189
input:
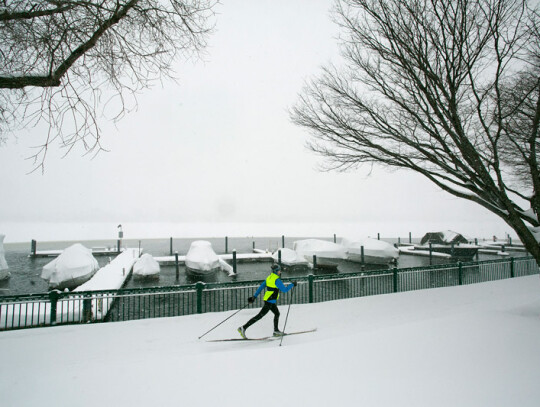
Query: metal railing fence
column 129, row 304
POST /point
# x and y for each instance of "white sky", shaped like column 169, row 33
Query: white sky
column 219, row 146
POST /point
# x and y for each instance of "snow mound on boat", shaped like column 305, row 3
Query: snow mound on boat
column 373, row 249
column 320, row 248
column 201, row 257
column 289, row 257
column 4, row 273
column 73, row 267
column 146, row 267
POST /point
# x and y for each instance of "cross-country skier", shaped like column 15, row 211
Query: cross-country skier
column 273, row 285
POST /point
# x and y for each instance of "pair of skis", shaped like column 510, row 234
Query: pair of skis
column 266, row 338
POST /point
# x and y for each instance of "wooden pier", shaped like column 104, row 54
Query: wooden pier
column 96, row 251
column 240, row 258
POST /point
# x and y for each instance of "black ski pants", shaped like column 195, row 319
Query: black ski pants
column 268, row 306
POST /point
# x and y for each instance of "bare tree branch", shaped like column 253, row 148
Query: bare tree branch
column 59, row 58
column 449, row 89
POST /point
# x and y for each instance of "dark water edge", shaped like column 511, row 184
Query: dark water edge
column 25, row 271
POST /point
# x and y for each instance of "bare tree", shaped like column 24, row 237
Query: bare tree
column 447, row 88
column 62, row 61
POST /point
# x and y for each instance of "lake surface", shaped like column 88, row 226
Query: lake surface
column 25, row 271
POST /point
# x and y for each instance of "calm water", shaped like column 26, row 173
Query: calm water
column 26, row 271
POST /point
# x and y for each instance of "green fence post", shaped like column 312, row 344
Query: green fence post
column 200, row 287
column 512, row 273
column 460, row 269
column 53, row 297
column 310, row 286
column 395, row 280
column 87, row 309
column 177, row 265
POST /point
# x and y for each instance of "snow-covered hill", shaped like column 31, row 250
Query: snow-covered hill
column 476, row 345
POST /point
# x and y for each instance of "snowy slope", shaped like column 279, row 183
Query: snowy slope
column 475, row 345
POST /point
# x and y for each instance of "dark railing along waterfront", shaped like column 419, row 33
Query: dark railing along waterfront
column 130, row 304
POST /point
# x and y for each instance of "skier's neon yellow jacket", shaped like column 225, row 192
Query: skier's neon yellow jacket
column 273, row 285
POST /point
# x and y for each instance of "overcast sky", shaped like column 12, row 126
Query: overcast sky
column 219, row 146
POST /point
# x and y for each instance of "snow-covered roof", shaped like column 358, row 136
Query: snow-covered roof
column 443, row 237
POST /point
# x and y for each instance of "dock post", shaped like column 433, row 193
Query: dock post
column 430, row 255
column 399, row 241
column 362, row 259
column 378, row 236
column 226, row 244
column 171, row 245
column 282, row 240
column 118, row 245
column 253, row 244
column 279, row 257
column 335, row 238
column 177, row 265
column 314, row 262
column 410, row 237
column 234, row 261
column 33, row 248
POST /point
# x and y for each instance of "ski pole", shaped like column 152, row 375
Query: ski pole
column 224, row 320
column 287, row 317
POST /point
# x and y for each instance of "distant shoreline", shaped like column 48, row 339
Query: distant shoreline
column 48, row 232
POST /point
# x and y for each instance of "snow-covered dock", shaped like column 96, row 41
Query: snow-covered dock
column 424, row 253
column 72, row 307
column 240, row 257
column 96, row 251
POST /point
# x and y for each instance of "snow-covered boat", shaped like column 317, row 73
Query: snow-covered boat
column 290, row 259
column 201, row 260
column 327, row 252
column 146, row 267
column 73, row 267
column 375, row 251
column 448, row 242
column 4, row 272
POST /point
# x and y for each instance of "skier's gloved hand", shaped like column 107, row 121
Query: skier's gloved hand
column 294, row 283
column 251, row 300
